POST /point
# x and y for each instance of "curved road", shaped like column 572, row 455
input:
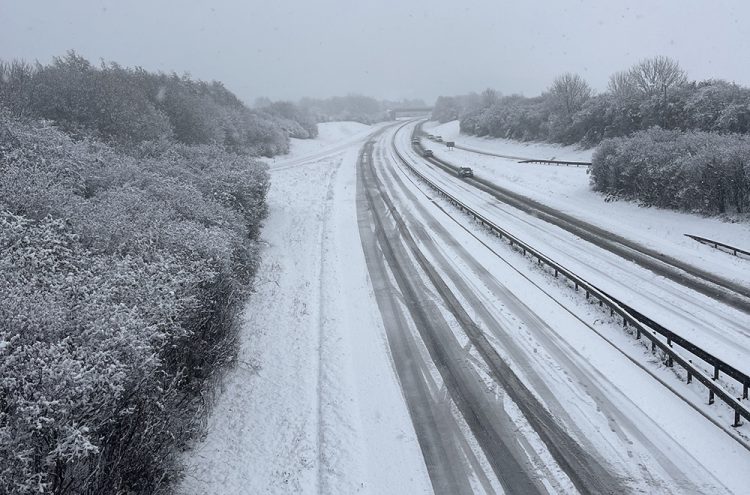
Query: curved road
column 505, row 398
column 716, row 326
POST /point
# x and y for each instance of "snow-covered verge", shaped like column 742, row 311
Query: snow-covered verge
column 313, row 405
column 332, row 137
column 450, row 131
column 567, row 189
column 328, row 133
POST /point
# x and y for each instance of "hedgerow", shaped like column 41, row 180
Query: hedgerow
column 694, row 171
column 120, row 279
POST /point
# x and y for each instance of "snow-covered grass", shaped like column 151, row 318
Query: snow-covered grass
column 313, row 405
column 332, row 136
column 546, row 151
column 567, row 189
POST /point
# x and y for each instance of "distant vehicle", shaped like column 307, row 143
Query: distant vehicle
column 427, row 153
column 465, row 172
column 430, row 136
column 415, row 141
column 439, row 139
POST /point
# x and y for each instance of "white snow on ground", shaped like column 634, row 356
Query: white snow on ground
column 547, row 151
column 332, row 137
column 328, row 133
column 567, row 189
column 313, row 405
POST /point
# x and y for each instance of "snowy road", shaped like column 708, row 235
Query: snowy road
column 590, row 419
column 715, row 325
column 394, row 347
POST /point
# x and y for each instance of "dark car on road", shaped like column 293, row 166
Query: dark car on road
column 465, row 172
column 427, row 153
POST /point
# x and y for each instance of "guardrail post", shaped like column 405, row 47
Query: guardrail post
column 716, row 372
column 689, row 377
column 555, row 272
column 745, row 386
column 737, row 421
column 710, row 396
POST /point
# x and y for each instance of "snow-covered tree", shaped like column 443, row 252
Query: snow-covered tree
column 568, row 93
column 656, row 76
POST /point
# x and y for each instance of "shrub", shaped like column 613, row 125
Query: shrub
column 694, row 171
column 133, row 106
column 121, row 277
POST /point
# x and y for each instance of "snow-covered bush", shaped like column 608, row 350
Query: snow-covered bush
column 694, row 171
column 120, row 279
column 132, row 106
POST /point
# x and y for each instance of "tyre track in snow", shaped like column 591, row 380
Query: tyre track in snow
column 586, row 473
column 324, row 382
column 440, row 454
column 590, row 383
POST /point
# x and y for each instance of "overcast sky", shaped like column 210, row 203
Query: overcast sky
column 286, row 49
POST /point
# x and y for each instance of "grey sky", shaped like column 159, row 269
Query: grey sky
column 286, row 49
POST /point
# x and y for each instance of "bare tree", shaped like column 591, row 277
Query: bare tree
column 622, row 86
column 569, row 92
column 489, row 97
column 656, row 75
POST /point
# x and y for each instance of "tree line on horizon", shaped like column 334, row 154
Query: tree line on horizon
column 662, row 139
